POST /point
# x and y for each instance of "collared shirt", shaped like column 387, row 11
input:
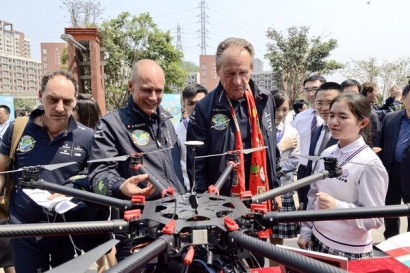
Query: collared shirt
column 302, row 124
column 3, row 128
column 403, row 138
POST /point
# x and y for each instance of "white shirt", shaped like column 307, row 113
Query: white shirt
column 288, row 160
column 303, row 124
column 3, row 128
column 358, row 186
column 181, row 131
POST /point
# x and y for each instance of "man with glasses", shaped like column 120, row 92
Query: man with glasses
column 305, row 123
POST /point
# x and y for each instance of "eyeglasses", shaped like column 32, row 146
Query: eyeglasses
column 310, row 90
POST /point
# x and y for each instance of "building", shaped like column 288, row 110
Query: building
column 257, row 65
column 264, row 80
column 13, row 43
column 207, row 71
column 51, row 54
column 193, row 77
column 19, row 75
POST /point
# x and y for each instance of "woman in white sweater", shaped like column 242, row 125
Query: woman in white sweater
column 359, row 185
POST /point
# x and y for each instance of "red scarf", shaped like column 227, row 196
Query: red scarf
column 258, row 180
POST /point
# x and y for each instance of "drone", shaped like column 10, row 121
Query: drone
column 216, row 235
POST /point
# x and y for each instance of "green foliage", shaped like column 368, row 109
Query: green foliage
column 190, row 66
column 295, row 56
column 126, row 40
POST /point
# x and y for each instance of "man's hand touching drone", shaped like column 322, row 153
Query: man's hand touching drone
column 130, row 186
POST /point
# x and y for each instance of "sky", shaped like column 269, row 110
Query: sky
column 363, row 28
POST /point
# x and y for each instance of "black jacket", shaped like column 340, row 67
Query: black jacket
column 128, row 131
column 219, row 139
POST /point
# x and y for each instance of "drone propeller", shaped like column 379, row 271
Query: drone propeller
column 125, row 157
column 244, row 151
column 49, row 167
column 317, row 158
column 83, row 262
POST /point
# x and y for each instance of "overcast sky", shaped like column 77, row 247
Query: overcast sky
column 363, row 29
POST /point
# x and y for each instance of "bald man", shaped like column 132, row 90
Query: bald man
column 142, row 126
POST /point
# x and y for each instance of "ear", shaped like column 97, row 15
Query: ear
column 40, row 97
column 363, row 123
column 130, row 86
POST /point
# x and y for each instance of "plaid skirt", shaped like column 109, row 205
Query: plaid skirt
column 286, row 230
column 320, row 247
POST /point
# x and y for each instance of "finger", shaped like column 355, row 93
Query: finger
column 137, row 178
column 54, row 195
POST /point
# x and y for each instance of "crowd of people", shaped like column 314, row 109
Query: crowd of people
column 334, row 120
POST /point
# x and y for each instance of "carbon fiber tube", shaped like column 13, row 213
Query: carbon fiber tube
column 259, row 198
column 337, row 214
column 58, row 229
column 146, row 254
column 154, row 181
column 80, row 194
column 282, row 256
column 222, row 178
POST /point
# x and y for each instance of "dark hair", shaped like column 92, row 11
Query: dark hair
column 299, row 104
column 313, row 78
column 361, row 109
column 88, row 111
column 279, row 97
column 47, row 77
column 5, row 107
column 351, row 82
column 368, row 87
column 405, row 90
column 192, row 89
column 329, row 86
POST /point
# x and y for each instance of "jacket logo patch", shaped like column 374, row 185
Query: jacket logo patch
column 26, row 144
column 220, row 122
column 140, row 137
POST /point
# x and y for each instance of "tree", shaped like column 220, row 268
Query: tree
column 126, row 40
column 190, row 66
column 85, row 13
column 385, row 75
column 295, row 56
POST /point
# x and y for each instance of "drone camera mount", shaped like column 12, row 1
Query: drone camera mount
column 30, row 176
column 332, row 167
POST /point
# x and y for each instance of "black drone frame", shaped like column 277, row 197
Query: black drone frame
column 218, row 230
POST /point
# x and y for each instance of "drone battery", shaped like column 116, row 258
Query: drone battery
column 199, row 237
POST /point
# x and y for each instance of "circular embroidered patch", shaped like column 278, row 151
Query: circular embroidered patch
column 140, row 137
column 26, row 144
column 220, row 122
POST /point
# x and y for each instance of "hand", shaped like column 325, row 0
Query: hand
column 377, row 149
column 130, row 186
column 277, row 203
column 325, row 201
column 287, row 144
column 55, row 195
column 304, row 244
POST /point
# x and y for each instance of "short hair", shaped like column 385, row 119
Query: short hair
column 88, row 110
column 405, row 90
column 6, row 108
column 351, row 82
column 47, row 77
column 192, row 89
column 313, row 78
column 233, row 42
column 329, row 86
column 368, row 87
column 299, row 104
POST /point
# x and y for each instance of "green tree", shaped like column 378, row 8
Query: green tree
column 190, row 66
column 295, row 56
column 126, row 40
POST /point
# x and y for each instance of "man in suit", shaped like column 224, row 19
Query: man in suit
column 394, row 141
column 321, row 137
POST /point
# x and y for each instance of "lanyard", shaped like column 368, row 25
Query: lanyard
column 353, row 155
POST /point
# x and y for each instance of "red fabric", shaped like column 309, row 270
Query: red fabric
column 377, row 265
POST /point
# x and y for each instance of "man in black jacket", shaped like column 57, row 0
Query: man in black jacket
column 142, row 126
column 236, row 115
